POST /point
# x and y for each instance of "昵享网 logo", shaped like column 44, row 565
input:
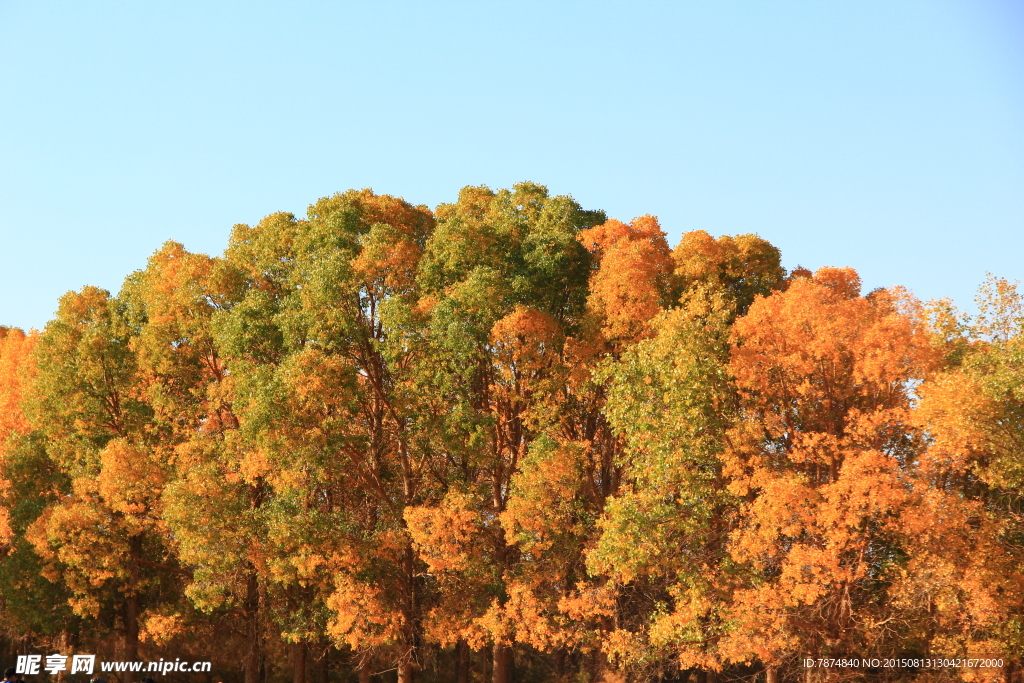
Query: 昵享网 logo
column 30, row 664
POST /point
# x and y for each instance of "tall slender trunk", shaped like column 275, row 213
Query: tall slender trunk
column 462, row 662
column 405, row 671
column 131, row 607
column 364, row 672
column 501, row 655
column 322, row 666
column 771, row 674
column 131, row 629
column 254, row 646
column 605, row 671
column 299, row 662
column 254, row 670
column 410, row 635
column 65, row 646
column 502, row 671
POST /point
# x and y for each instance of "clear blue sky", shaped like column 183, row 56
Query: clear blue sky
column 888, row 136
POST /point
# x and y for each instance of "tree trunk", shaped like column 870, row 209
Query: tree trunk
column 254, row 649
column 410, row 609
column 131, row 633
column 405, row 671
column 712, row 676
column 299, row 662
column 502, row 671
column 606, row 673
column 771, row 674
column 462, row 662
column 364, row 671
column 65, row 647
column 131, row 607
column 322, row 666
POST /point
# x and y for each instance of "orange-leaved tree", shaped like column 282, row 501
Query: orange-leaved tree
column 740, row 267
column 15, row 346
column 104, row 536
column 964, row 575
column 181, row 377
column 34, row 606
column 819, row 458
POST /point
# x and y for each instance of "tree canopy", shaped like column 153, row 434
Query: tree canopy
column 512, row 439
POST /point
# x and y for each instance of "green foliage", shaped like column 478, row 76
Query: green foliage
column 509, row 435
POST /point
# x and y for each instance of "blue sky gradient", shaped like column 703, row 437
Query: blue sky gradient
column 887, row 136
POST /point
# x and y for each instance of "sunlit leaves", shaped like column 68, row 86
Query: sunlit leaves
column 515, row 426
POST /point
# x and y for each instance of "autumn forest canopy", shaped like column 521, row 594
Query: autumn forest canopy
column 511, row 439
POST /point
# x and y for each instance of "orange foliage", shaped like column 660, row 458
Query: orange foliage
column 130, row 482
column 825, row 377
column 360, row 617
column 743, row 267
column 15, row 373
column 631, row 282
column 392, row 248
column 445, row 536
column 514, row 425
column 160, row 629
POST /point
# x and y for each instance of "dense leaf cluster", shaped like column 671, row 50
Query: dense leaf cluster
column 510, row 439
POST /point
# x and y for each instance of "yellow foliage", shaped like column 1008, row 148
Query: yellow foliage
column 359, row 616
column 445, row 536
column 130, row 481
column 16, row 371
column 160, row 629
